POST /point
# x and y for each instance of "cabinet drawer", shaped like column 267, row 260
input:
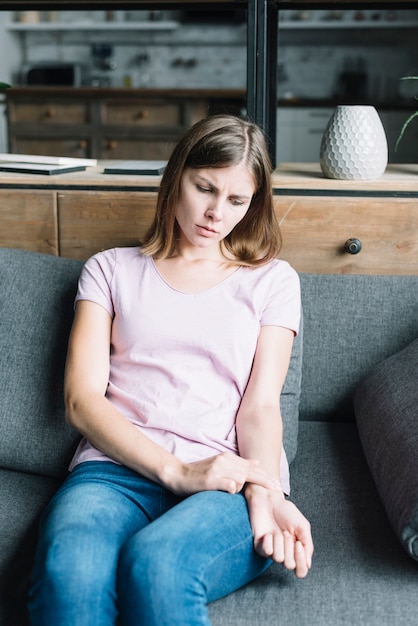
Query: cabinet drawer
column 315, row 230
column 94, row 221
column 142, row 113
column 49, row 112
column 50, row 146
column 155, row 148
column 29, row 221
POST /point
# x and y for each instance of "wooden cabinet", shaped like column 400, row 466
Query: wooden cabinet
column 77, row 214
column 350, row 235
column 107, row 123
column 348, row 227
column 28, row 220
column 90, row 221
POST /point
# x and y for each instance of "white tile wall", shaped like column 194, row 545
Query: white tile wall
column 208, row 56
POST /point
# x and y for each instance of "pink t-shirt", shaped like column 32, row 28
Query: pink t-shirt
column 180, row 363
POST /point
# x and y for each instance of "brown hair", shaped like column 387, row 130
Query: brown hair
column 220, row 141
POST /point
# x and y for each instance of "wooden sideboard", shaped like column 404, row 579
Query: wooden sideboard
column 103, row 123
column 77, row 214
column 318, row 217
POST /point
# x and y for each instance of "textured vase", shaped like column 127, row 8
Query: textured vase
column 354, row 145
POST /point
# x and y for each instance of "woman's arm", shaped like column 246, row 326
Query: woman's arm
column 281, row 532
column 88, row 410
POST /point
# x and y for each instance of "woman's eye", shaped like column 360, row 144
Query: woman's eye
column 204, row 189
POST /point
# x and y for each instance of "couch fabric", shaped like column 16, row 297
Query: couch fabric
column 361, row 573
column 386, row 408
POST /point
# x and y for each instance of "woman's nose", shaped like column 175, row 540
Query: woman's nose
column 215, row 210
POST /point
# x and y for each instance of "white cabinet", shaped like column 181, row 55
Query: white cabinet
column 300, row 130
column 285, row 135
column 299, row 133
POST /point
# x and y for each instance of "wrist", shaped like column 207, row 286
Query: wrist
column 170, row 474
column 253, row 491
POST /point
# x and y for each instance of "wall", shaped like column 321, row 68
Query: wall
column 314, row 49
column 310, row 59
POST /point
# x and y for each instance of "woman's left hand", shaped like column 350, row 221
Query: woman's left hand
column 281, row 532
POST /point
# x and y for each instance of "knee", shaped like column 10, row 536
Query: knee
column 69, row 567
column 157, row 568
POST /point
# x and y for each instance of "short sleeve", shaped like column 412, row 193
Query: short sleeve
column 283, row 301
column 95, row 282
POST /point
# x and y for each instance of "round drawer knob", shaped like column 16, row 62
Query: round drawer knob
column 352, row 246
column 141, row 114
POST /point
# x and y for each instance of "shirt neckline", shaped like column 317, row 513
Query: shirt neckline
column 193, row 293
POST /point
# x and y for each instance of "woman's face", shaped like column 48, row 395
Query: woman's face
column 211, row 203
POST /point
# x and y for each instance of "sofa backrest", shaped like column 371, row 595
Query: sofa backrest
column 351, row 323
column 36, row 310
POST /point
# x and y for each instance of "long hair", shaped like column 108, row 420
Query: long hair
column 220, row 141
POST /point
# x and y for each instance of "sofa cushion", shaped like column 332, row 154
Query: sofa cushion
column 351, row 322
column 386, row 408
column 36, row 310
column 290, row 396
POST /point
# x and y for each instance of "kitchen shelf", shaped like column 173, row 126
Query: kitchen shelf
column 173, row 25
column 335, row 25
column 91, row 26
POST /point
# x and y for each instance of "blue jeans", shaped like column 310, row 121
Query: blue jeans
column 113, row 543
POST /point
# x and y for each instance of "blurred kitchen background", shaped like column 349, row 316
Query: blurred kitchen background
column 325, row 57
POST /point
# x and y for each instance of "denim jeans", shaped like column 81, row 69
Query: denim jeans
column 113, row 543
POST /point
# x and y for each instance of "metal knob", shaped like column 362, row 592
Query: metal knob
column 50, row 113
column 352, row 246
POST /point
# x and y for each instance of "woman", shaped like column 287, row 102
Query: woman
column 176, row 360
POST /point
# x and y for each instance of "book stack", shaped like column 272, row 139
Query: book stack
column 36, row 164
column 140, row 168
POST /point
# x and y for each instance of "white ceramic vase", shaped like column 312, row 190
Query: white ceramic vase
column 354, row 145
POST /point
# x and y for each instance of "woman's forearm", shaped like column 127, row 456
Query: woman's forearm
column 109, row 431
column 259, row 436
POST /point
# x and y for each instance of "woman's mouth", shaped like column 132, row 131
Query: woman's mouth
column 207, row 231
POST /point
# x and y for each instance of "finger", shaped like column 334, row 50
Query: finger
column 305, row 537
column 289, row 551
column 302, row 568
column 278, row 548
column 232, row 485
column 260, row 477
column 264, row 546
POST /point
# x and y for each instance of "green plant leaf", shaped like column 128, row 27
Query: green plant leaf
column 410, row 118
column 4, row 86
column 404, row 127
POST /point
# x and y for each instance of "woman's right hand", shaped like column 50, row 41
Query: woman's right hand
column 222, row 472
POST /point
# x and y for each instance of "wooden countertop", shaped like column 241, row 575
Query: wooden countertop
column 287, row 178
column 401, row 178
column 91, row 178
column 112, row 92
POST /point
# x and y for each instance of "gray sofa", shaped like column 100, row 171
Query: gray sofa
column 354, row 470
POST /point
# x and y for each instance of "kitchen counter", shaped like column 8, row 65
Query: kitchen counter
column 197, row 93
column 125, row 92
column 398, row 179
column 102, row 123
